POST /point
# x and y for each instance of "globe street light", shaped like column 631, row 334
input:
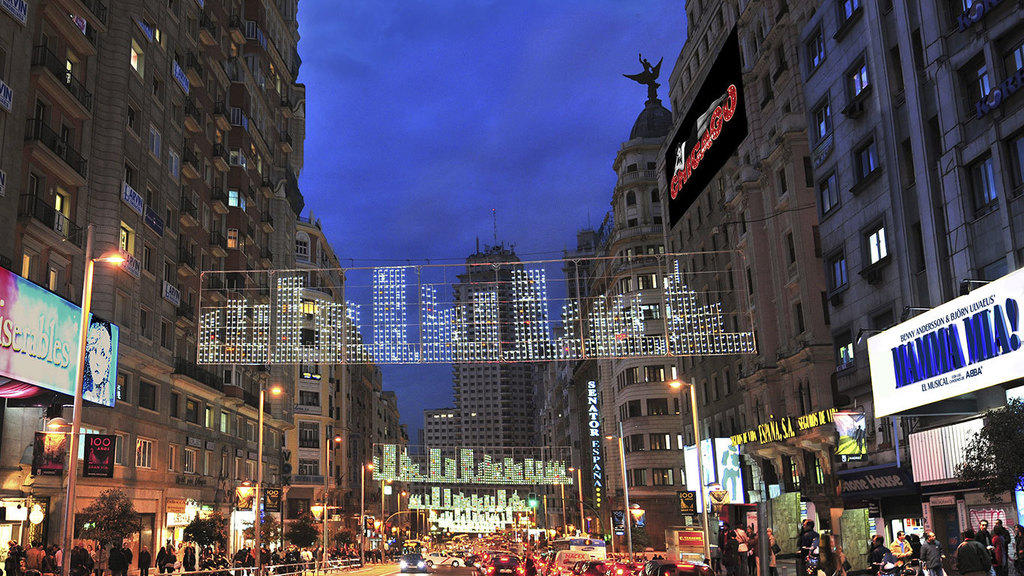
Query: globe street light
column 331, row 443
column 362, row 511
column 678, row 386
column 76, row 424
column 257, row 522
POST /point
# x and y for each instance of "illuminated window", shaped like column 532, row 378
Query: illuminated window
column 848, row 8
column 877, row 249
column 661, row 476
column 233, row 238
column 828, row 194
column 154, row 141
column 816, row 49
column 127, row 239
column 837, row 271
column 173, row 163
column 189, row 464
column 858, row 78
column 866, row 159
column 823, row 120
column 172, row 456
column 236, row 199
column 143, row 453
column 137, row 58
column 844, row 349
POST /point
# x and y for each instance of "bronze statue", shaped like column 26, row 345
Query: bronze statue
column 648, row 77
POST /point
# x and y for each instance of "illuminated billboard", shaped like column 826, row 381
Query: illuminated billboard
column 721, row 460
column 39, row 342
column 710, row 133
column 964, row 345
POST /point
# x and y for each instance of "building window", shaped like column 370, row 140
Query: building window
column 309, row 467
column 309, row 435
column 844, row 349
column 635, row 442
column 173, row 163
column 661, row 441
column 138, row 59
column 189, row 464
column 166, row 334
column 235, row 199
column 1017, row 162
column 122, row 386
column 147, row 395
column 816, row 49
column 175, row 399
column 790, row 248
column 302, row 246
column 250, row 470
column 798, row 315
column 225, row 420
column 637, row 477
column 633, row 409
column 866, row 159
column 877, row 249
column 143, row 453
column 657, row 406
column 154, row 141
column 982, row 84
column 127, row 239
column 232, row 238
column 647, row 281
column 1015, row 59
column 192, row 411
column 847, row 8
column 837, row 271
column 309, row 398
column 145, row 323
column 172, row 456
column 654, row 373
column 661, row 477
column 857, row 78
column 828, row 194
column 822, row 120
column 983, row 182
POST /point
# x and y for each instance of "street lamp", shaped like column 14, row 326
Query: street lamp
column 678, row 386
column 331, row 443
column 257, row 522
column 76, row 424
column 579, row 488
column 362, row 511
column 625, row 492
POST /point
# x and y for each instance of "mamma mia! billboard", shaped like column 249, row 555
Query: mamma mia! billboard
column 964, row 345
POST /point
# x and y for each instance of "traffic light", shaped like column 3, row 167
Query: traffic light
column 369, row 523
column 531, row 500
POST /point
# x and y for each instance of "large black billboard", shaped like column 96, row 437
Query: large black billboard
column 711, row 131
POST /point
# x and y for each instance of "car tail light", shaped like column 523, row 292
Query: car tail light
column 490, row 569
column 503, row 559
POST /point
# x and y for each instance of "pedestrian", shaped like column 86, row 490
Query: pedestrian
column 753, row 557
column 165, row 560
column 931, row 555
column 1001, row 530
column 188, row 559
column 773, row 550
column 983, row 535
column 119, row 560
column 809, row 541
column 34, row 557
column 971, row 557
column 731, row 554
column 1000, row 556
column 51, row 565
column 878, row 554
column 81, row 561
column 831, row 556
column 99, row 559
column 1018, row 540
column 742, row 550
column 901, row 548
column 145, row 561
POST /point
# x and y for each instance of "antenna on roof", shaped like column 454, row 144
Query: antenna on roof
column 494, row 223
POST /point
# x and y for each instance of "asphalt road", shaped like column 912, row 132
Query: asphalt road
column 391, row 569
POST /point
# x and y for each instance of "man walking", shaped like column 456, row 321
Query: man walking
column 931, row 555
column 972, row 558
column 119, row 560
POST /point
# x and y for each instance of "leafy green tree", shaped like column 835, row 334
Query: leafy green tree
column 640, row 538
column 270, row 530
column 994, row 459
column 304, row 531
column 344, row 538
column 207, row 531
column 109, row 519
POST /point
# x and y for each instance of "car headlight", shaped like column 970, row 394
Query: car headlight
column 421, row 564
column 402, row 564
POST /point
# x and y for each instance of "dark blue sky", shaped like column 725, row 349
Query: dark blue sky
column 422, row 116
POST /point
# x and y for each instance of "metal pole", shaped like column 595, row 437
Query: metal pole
column 562, row 486
column 625, row 492
column 258, row 521
column 362, row 514
column 382, row 526
column 579, row 488
column 327, row 487
column 76, row 423
column 700, row 469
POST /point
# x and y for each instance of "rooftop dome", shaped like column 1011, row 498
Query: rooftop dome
column 654, row 122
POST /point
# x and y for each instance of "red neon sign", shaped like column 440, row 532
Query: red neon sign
column 722, row 114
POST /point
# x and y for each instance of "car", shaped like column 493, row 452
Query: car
column 503, row 565
column 444, row 559
column 412, row 563
column 680, row 568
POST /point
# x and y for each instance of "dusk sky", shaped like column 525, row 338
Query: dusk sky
column 423, row 116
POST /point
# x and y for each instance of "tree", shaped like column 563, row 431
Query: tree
column 270, row 530
column 110, row 519
column 640, row 538
column 304, row 531
column 994, row 459
column 344, row 538
column 207, row 531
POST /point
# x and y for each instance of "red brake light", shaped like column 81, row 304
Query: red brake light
column 503, row 559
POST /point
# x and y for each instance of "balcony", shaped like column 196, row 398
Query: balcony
column 286, row 106
column 267, row 186
column 236, row 28
column 266, row 258
column 189, row 163
column 95, row 7
column 183, row 367
column 188, row 214
column 207, row 30
column 307, row 480
column 220, row 115
column 62, row 85
column 638, row 176
column 218, row 245
column 267, row 222
column 220, row 157
column 193, row 69
column 55, row 154
column 186, row 263
column 82, row 43
column 186, row 313
column 48, row 218
column 219, row 202
column 193, row 117
column 285, row 142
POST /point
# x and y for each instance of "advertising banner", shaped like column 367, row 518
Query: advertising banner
column 964, row 345
column 271, row 499
column 99, row 456
column 687, row 501
column 39, row 342
column 49, row 453
column 721, row 460
column 852, row 430
column 619, row 522
column 245, row 496
column 711, row 131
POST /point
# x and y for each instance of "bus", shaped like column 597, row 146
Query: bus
column 569, row 551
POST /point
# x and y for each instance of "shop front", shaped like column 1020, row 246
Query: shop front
column 181, row 511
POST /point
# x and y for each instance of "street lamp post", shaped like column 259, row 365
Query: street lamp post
column 257, row 522
column 579, row 494
column 383, row 525
column 625, row 491
column 562, row 487
column 331, row 442
column 678, row 385
column 362, row 512
column 76, row 424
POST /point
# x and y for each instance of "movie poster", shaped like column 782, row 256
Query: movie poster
column 852, row 430
column 49, row 453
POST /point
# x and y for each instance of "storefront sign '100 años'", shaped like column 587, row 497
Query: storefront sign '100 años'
column 965, row 345
column 594, row 426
